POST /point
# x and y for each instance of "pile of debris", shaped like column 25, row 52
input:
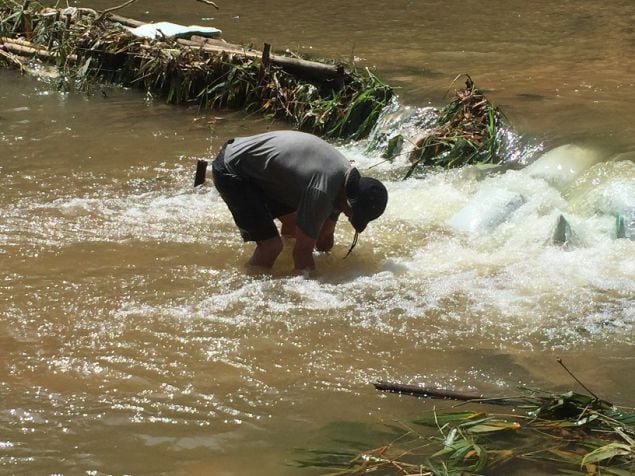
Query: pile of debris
column 191, row 65
column 188, row 65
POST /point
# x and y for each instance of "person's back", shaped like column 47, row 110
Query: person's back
column 301, row 180
column 292, row 168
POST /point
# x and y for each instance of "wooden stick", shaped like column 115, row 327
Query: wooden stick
column 125, row 21
column 265, row 61
column 416, row 391
column 118, row 7
column 107, row 11
column 201, row 169
column 559, row 360
column 312, row 69
column 266, row 54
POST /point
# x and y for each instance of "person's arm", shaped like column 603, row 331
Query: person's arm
column 303, row 251
column 325, row 239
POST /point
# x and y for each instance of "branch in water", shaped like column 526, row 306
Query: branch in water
column 119, row 7
column 424, row 392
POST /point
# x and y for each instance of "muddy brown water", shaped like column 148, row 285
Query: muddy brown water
column 133, row 340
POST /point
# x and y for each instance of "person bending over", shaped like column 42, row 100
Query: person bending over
column 299, row 179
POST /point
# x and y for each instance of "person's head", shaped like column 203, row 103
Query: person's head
column 367, row 198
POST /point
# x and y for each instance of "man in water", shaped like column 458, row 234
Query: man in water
column 299, row 179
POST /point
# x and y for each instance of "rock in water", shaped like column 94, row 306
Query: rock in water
column 561, row 166
column 562, row 234
column 488, row 208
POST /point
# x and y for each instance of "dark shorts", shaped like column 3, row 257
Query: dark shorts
column 252, row 210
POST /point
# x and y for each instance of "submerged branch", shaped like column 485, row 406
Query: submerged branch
column 425, row 392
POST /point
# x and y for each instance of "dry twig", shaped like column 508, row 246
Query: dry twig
column 112, row 9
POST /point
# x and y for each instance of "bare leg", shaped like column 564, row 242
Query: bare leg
column 288, row 224
column 266, row 252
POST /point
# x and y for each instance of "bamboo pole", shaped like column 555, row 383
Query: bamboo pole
column 296, row 66
column 301, row 67
column 311, row 69
column 11, row 58
column 28, row 49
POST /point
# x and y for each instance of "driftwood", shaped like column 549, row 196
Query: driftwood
column 295, row 66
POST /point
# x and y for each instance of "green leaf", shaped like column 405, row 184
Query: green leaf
column 444, row 419
column 607, row 452
column 493, row 426
column 616, row 472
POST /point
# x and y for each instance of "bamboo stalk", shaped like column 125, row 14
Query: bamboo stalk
column 25, row 48
column 11, row 58
column 299, row 66
column 18, row 41
column 296, row 66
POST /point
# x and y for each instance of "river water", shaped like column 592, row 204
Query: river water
column 133, row 340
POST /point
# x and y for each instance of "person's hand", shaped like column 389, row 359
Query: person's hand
column 325, row 238
column 324, row 243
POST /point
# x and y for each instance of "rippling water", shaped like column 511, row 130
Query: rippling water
column 133, row 340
